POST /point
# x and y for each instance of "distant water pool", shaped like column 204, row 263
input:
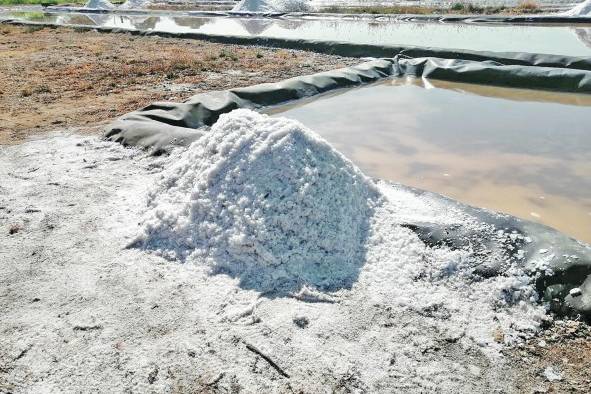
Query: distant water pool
column 559, row 40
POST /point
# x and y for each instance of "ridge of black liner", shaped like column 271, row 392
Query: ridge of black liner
column 496, row 74
column 161, row 125
column 569, row 268
column 164, row 124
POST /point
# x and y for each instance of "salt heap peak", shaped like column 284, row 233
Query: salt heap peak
column 267, row 200
column 273, row 6
column 100, row 4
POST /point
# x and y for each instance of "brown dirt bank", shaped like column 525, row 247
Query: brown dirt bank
column 58, row 78
column 565, row 349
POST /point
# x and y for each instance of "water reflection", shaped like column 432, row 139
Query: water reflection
column 255, row 27
column 584, row 35
column 523, row 152
column 520, row 38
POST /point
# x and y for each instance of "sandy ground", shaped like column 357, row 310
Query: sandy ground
column 81, row 312
column 56, row 78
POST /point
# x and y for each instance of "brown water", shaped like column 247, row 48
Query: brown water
column 523, row 152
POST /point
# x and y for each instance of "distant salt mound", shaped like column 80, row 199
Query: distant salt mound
column 134, row 4
column 273, row 6
column 264, row 199
column 107, row 5
column 582, row 9
column 100, row 4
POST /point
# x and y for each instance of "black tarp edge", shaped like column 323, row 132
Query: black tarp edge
column 161, row 125
column 570, row 267
column 165, row 124
column 496, row 74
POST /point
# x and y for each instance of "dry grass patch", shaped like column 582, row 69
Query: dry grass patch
column 527, row 7
column 76, row 78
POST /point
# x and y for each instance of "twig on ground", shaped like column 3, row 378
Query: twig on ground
column 216, row 380
column 267, row 359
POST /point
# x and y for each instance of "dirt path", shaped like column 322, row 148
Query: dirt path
column 59, row 78
column 558, row 360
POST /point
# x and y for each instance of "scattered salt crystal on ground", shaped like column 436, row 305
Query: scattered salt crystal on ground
column 575, row 292
column 552, row 374
column 410, row 318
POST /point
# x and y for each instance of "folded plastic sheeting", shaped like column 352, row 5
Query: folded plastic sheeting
column 164, row 124
column 496, row 73
column 161, row 125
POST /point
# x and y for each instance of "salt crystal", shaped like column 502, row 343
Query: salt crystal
column 575, row 292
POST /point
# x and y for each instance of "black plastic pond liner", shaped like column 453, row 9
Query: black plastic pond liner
column 160, row 125
column 570, row 268
column 495, row 73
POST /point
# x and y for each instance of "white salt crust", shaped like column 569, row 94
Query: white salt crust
column 80, row 311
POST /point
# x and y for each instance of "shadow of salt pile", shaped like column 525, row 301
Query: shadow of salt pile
column 266, row 201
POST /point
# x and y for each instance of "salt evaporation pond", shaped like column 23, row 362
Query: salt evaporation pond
column 551, row 39
column 523, row 152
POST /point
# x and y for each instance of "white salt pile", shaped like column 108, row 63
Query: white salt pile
column 107, row 5
column 100, row 4
column 273, row 6
column 134, row 4
column 265, row 199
